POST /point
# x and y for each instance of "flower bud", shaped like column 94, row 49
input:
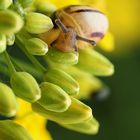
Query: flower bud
column 90, row 126
column 25, row 86
column 10, row 22
column 36, row 46
column 67, row 58
column 2, row 43
column 53, row 98
column 88, row 86
column 64, row 80
column 8, row 103
column 37, row 23
column 52, row 64
column 45, row 7
column 10, row 39
column 4, row 4
column 23, row 36
column 12, row 131
column 76, row 113
column 88, row 83
column 93, row 62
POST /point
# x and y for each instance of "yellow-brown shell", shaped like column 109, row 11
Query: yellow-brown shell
column 86, row 21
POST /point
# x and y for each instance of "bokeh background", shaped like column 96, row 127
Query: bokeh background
column 119, row 113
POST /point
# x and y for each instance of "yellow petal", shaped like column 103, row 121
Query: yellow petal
column 33, row 123
column 24, row 108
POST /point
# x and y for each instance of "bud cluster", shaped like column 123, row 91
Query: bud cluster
column 53, row 88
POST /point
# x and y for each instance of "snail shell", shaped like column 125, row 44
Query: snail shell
column 88, row 22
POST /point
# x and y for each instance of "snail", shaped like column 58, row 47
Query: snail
column 76, row 27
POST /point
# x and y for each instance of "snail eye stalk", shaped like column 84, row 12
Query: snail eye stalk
column 65, row 30
column 61, row 25
column 86, row 40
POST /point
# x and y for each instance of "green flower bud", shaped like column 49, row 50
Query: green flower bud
column 8, row 103
column 25, row 86
column 88, row 83
column 52, row 64
column 10, row 22
column 94, row 63
column 23, row 36
column 2, row 43
column 88, row 86
column 90, row 126
column 37, row 23
column 45, row 7
column 4, row 4
column 10, row 39
column 54, row 98
column 12, row 131
column 76, row 113
column 36, row 46
column 69, row 58
column 64, row 80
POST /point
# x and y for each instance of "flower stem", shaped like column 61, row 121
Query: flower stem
column 18, row 7
column 31, row 58
column 9, row 63
column 4, row 70
column 27, row 67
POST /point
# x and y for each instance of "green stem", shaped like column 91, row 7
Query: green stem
column 27, row 67
column 20, row 65
column 4, row 70
column 9, row 63
column 18, row 8
column 31, row 58
column 16, row 65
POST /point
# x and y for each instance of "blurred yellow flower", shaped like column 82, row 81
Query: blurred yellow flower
column 32, row 122
column 108, row 42
column 99, row 4
column 124, row 17
column 62, row 3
